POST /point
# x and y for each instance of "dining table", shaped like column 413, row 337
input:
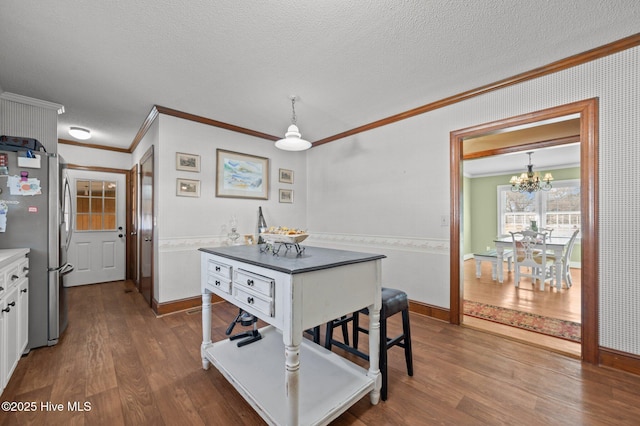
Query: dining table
column 556, row 245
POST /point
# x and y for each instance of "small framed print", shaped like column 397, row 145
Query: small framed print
column 187, row 162
column 286, row 196
column 187, row 188
column 249, row 239
column 286, row 176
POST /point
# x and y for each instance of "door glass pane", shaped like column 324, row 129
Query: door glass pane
column 82, row 222
column 109, row 205
column 110, row 189
column 96, row 205
column 82, row 188
column 82, row 204
column 96, row 188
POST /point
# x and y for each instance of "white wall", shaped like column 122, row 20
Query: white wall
column 73, row 154
column 185, row 224
column 384, row 190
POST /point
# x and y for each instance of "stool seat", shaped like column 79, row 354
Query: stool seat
column 393, row 301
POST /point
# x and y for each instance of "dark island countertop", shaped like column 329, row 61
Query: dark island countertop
column 312, row 259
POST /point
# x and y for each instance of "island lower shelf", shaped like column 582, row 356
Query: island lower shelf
column 328, row 383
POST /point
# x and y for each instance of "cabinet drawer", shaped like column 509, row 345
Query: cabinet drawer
column 258, row 283
column 220, row 269
column 249, row 298
column 216, row 282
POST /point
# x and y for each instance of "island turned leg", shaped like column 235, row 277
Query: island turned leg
column 292, row 380
column 206, row 328
column 374, row 353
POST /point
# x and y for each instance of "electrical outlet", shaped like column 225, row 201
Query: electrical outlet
column 488, row 248
column 444, row 220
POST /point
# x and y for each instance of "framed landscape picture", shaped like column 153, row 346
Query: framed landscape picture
column 286, row 176
column 188, row 162
column 241, row 175
column 286, row 196
column 187, row 188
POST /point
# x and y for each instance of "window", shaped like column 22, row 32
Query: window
column 95, row 205
column 557, row 209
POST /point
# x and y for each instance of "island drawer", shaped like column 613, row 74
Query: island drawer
column 216, row 282
column 257, row 283
column 220, row 269
column 254, row 300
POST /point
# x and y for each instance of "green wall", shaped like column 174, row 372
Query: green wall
column 480, row 215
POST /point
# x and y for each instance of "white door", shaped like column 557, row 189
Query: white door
column 97, row 249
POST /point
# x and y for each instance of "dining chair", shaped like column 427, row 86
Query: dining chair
column 566, row 259
column 530, row 252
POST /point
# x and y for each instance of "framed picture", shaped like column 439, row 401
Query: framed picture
column 249, row 239
column 188, row 162
column 187, row 188
column 241, row 175
column 286, row 176
column 286, row 196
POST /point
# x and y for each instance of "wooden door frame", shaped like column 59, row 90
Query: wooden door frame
column 132, row 220
column 588, row 111
column 147, row 155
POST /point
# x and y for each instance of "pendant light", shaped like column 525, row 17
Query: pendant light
column 293, row 139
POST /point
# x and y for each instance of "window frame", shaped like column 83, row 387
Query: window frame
column 540, row 202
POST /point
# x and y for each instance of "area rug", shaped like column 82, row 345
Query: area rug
column 562, row 329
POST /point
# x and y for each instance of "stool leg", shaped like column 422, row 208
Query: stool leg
column 355, row 326
column 345, row 331
column 408, row 355
column 328, row 335
column 383, row 357
column 478, row 274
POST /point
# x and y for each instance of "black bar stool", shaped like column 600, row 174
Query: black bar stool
column 393, row 301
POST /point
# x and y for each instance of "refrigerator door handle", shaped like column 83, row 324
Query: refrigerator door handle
column 67, row 190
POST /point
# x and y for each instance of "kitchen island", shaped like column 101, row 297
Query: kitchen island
column 287, row 379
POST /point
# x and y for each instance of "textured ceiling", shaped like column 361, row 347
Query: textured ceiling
column 350, row 62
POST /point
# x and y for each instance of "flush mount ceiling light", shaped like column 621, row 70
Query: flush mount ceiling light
column 530, row 181
column 293, row 139
column 80, row 133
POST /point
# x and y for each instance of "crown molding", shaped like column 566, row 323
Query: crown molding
column 94, row 146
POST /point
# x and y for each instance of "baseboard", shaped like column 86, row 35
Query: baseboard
column 180, row 305
column 435, row 312
column 620, row 360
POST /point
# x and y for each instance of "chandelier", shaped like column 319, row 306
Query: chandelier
column 530, row 181
column 293, row 139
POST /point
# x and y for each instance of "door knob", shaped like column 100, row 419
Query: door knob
column 120, row 235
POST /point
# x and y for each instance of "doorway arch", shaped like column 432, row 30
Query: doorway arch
column 588, row 113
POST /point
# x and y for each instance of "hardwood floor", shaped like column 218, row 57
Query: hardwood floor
column 564, row 305
column 135, row 369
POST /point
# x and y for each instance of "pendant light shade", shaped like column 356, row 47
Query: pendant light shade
column 292, row 140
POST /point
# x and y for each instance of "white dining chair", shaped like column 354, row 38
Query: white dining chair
column 530, row 253
column 566, row 259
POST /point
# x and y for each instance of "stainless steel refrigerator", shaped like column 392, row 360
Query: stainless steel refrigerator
column 42, row 223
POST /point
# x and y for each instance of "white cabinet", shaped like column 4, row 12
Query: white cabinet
column 14, row 310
